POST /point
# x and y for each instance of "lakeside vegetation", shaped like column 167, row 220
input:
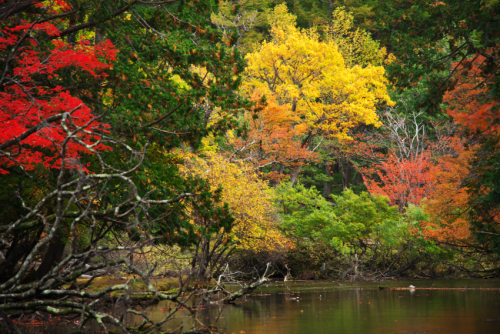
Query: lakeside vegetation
column 159, row 150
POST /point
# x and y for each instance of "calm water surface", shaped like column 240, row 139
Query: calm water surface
column 328, row 307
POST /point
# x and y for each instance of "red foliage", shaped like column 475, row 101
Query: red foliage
column 469, row 102
column 27, row 99
column 403, row 180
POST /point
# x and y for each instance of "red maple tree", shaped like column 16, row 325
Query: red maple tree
column 37, row 114
column 402, row 180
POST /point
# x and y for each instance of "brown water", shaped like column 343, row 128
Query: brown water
column 328, row 307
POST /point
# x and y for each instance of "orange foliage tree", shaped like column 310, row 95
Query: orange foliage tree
column 448, row 203
column 273, row 139
column 474, row 104
column 470, row 105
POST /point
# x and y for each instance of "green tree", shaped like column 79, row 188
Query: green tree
column 346, row 224
column 246, row 20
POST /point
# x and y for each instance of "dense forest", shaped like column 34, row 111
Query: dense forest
column 213, row 141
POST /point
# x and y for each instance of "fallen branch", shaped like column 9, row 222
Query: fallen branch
column 247, row 289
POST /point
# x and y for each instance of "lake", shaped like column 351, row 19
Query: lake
column 360, row 307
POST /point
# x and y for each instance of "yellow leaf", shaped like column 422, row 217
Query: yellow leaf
column 328, row 87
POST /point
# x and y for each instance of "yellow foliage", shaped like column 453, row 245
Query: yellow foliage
column 281, row 19
column 324, row 92
column 249, row 199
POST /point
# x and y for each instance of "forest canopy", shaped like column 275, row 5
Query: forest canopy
column 221, row 141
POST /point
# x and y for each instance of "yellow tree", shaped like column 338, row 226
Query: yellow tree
column 249, row 200
column 309, row 75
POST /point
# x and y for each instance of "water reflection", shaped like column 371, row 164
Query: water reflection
column 352, row 308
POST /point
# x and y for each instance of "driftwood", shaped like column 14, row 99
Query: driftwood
column 247, row 289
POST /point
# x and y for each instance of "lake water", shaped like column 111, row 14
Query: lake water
column 329, row 307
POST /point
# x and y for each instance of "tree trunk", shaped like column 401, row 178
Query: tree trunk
column 342, row 172
column 327, row 189
column 20, row 247
column 274, row 169
column 294, row 174
column 52, row 256
column 348, row 170
column 345, row 171
column 282, row 169
column 360, row 178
